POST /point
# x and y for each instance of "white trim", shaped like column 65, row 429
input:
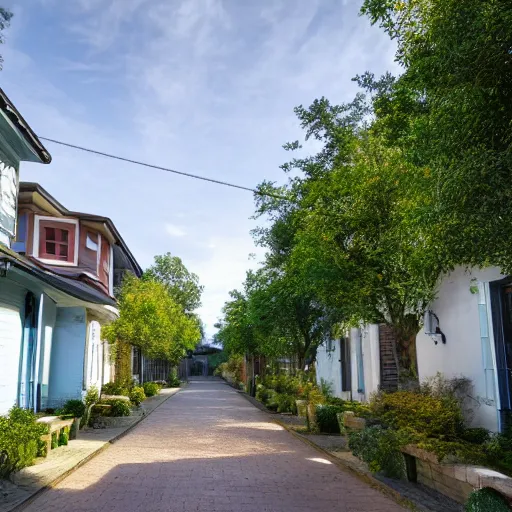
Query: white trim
column 111, row 272
column 38, row 350
column 490, row 328
column 35, row 246
column 98, row 256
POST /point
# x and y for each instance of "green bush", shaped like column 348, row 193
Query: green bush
column 174, row 380
column 74, row 408
column 326, row 418
column 475, row 435
column 285, row 403
column 55, row 441
column 20, row 440
column 63, row 438
column 262, row 394
column 486, row 500
column 439, row 417
column 380, row 449
column 114, row 388
column 119, row 407
column 137, row 395
column 151, row 388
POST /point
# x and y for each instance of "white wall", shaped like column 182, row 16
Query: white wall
column 371, row 359
column 457, row 309
column 328, row 366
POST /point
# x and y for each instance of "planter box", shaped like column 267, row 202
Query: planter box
column 353, row 422
column 302, row 408
column 113, row 422
column 456, row 481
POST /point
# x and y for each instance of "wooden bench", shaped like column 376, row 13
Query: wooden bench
column 55, row 426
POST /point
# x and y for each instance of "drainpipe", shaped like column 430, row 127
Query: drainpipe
column 38, row 352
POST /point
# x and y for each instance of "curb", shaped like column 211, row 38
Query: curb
column 365, row 477
column 25, row 503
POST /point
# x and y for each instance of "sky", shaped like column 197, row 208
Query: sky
column 202, row 86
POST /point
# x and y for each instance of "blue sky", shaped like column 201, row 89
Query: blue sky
column 203, row 86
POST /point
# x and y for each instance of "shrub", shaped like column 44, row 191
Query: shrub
column 419, row 413
column 326, row 418
column 486, row 500
column 262, row 394
column 75, row 408
column 55, row 441
column 151, row 388
column 380, row 449
column 118, row 407
column 114, row 388
column 285, row 402
column 475, row 435
column 174, row 380
column 20, row 440
column 63, row 438
column 137, row 396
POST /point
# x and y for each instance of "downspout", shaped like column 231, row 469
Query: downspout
column 38, row 352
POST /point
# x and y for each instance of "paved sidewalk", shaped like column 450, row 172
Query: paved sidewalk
column 61, row 461
column 208, row 449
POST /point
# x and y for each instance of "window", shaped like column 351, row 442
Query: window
column 91, row 242
column 56, row 241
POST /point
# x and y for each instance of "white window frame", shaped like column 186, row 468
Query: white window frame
column 35, row 248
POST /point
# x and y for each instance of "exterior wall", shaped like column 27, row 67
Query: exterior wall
column 94, row 356
column 458, row 312
column 9, row 166
column 67, row 360
column 47, row 316
column 371, row 359
column 328, row 367
column 11, row 325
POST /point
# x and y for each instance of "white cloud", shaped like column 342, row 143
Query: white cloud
column 174, row 230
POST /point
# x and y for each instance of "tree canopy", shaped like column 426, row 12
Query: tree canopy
column 5, row 21
column 411, row 179
column 152, row 320
column 182, row 285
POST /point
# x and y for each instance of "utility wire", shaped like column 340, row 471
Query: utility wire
column 166, row 169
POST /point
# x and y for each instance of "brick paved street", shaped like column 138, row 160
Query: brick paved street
column 208, row 449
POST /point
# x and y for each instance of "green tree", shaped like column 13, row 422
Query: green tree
column 182, row 285
column 5, row 21
column 152, row 320
column 457, row 74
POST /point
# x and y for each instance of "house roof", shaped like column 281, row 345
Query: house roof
column 72, row 287
column 11, row 112
column 35, row 187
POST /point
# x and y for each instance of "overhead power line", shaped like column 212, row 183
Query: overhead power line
column 166, row 169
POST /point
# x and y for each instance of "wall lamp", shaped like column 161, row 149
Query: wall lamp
column 431, row 327
column 5, row 265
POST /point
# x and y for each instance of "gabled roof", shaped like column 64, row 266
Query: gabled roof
column 10, row 111
column 35, row 187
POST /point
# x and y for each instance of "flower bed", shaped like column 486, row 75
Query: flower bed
column 422, row 435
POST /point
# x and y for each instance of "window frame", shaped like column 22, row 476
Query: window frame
column 72, row 246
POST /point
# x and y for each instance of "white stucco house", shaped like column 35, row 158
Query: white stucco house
column 467, row 332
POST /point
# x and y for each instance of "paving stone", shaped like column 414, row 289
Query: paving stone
column 209, row 449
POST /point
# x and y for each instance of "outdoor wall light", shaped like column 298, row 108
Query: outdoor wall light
column 5, row 265
column 431, row 327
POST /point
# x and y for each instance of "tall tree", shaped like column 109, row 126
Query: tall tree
column 153, row 321
column 457, row 64
column 5, row 21
column 182, row 285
